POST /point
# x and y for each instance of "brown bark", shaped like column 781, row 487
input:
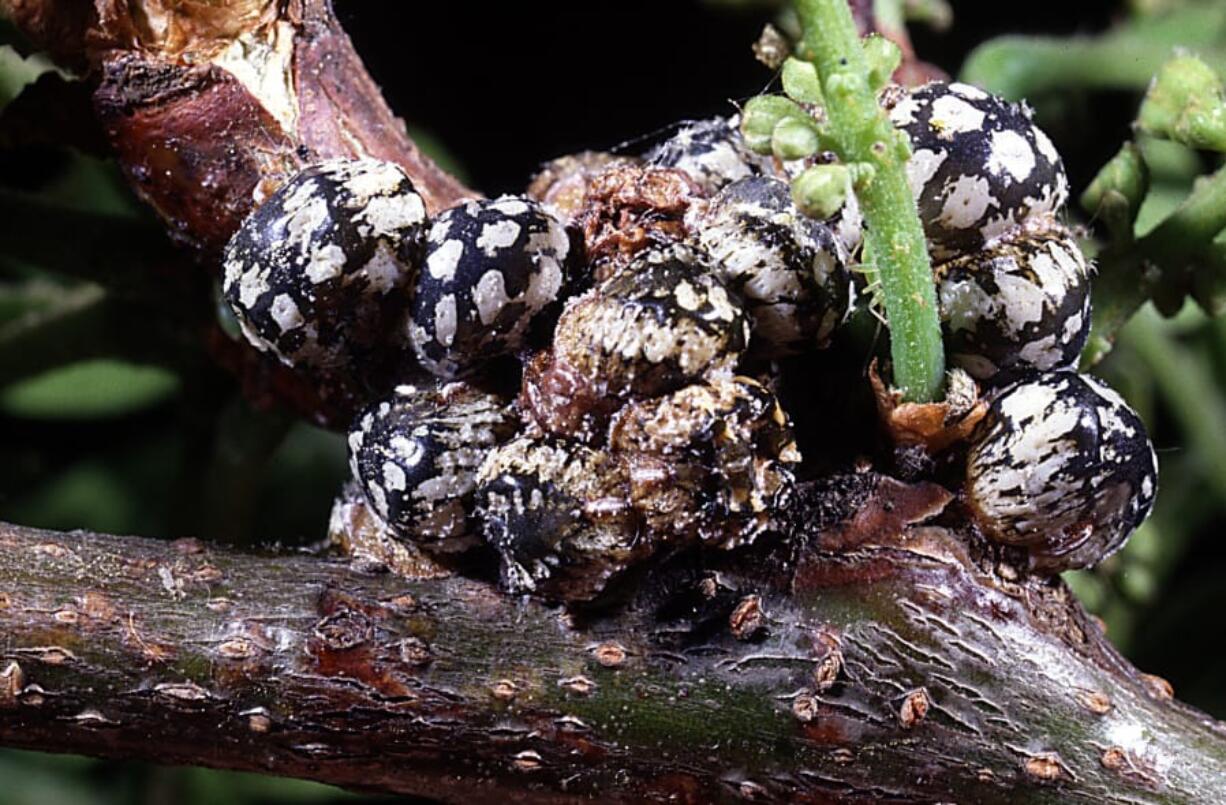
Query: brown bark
column 886, row 665
column 209, row 106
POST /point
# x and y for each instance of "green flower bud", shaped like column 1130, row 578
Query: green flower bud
column 1186, row 102
column 883, row 57
column 760, row 117
column 800, row 81
column 794, row 139
column 1117, row 191
column 821, row 191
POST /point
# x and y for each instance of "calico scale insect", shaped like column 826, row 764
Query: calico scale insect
column 490, row 268
column 1062, row 466
column 319, row 272
column 789, row 269
column 979, row 165
column 415, row 455
column 1021, row 304
column 711, row 152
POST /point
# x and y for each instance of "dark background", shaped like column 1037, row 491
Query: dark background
column 503, row 87
column 506, row 86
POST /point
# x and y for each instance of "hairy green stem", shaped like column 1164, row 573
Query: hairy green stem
column 1125, row 58
column 863, row 135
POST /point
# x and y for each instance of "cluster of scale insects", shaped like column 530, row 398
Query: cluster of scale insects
column 629, row 294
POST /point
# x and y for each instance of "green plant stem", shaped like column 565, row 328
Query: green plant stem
column 1187, row 386
column 1126, row 58
column 863, row 135
column 1129, row 275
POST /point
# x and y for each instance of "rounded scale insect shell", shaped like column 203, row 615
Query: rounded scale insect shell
column 491, row 266
column 661, row 322
column 318, row 273
column 727, row 442
column 1021, row 304
column 979, row 165
column 415, row 455
column 1062, row 466
column 712, row 152
column 789, row 269
column 557, row 514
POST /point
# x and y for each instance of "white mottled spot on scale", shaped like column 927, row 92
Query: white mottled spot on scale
column 394, row 477
column 509, row 205
column 300, row 196
column 378, row 498
column 303, row 223
column 1009, row 153
column 719, row 165
column 922, row 166
column 544, row 285
column 552, row 241
column 968, row 91
column 284, row 311
column 445, row 320
column 687, row 298
column 969, row 197
column 1045, row 146
column 233, row 273
column 409, row 451
column 251, row 286
column 325, row 263
column 903, row 113
column 383, row 271
column 498, row 235
column 1045, row 353
column 1072, row 326
column 952, row 115
column 442, row 262
column 489, row 296
column 964, row 304
column 389, row 215
column 370, row 177
column 722, row 307
column 1025, row 301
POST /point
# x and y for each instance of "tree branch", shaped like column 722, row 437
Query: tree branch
column 889, row 666
column 210, row 106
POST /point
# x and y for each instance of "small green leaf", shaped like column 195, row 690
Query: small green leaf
column 800, row 81
column 760, row 117
column 883, row 58
column 89, row 390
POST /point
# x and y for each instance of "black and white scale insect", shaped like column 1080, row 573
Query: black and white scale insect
column 711, row 152
column 790, row 270
column 661, row 322
column 558, row 516
column 1062, row 466
column 979, row 166
column 1021, row 304
column 415, row 456
column 491, row 266
column 319, row 272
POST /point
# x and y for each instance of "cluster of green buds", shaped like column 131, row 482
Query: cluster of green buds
column 792, row 127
